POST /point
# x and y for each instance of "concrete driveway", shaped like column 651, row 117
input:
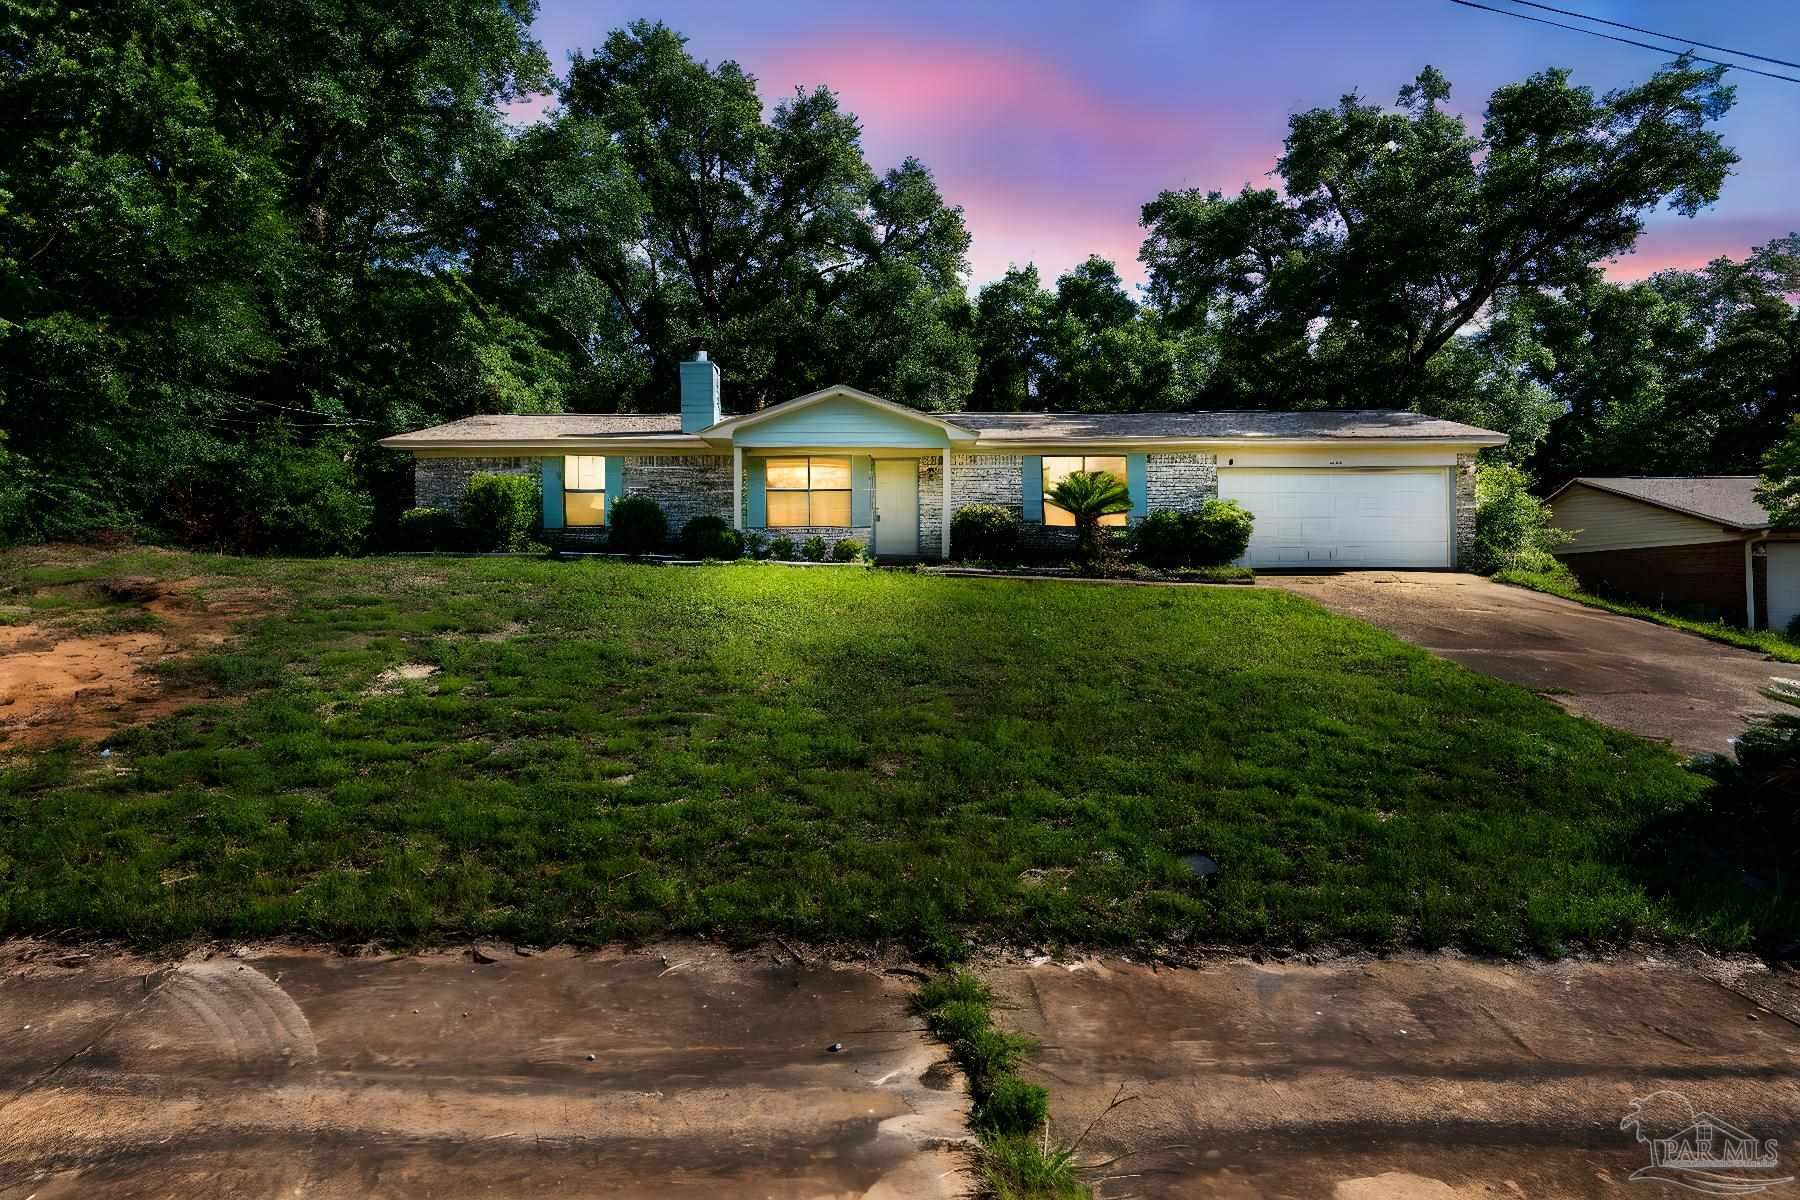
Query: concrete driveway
column 1652, row 680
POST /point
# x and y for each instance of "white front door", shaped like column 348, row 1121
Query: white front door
column 1784, row 583
column 1344, row 517
column 896, row 506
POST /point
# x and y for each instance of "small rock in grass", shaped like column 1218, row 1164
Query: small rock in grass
column 834, row 1047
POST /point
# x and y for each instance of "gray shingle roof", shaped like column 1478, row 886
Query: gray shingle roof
column 510, row 427
column 1340, row 423
column 1727, row 499
column 995, row 427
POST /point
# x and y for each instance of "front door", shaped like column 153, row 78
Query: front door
column 897, row 507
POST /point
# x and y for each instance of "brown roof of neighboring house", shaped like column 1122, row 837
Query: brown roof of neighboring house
column 1727, row 499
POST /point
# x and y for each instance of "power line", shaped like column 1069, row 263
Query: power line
column 1626, row 41
column 1653, row 33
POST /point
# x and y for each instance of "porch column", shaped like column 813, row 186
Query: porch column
column 737, row 487
column 944, row 532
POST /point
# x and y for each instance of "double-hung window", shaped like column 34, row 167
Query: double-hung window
column 584, row 489
column 810, row 491
column 1058, row 469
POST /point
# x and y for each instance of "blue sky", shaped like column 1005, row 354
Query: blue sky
column 1051, row 123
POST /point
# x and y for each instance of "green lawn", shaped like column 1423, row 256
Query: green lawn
column 844, row 755
column 1775, row 644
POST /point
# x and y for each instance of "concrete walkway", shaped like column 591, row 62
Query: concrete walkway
column 1652, row 680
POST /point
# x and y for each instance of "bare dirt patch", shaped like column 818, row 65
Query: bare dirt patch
column 394, row 680
column 57, row 681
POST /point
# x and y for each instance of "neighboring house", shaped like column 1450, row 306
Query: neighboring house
column 1329, row 489
column 1698, row 542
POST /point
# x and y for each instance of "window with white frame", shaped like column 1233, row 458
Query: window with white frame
column 584, row 489
column 1058, row 469
column 810, row 491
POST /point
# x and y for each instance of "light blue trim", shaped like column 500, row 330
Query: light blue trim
column 756, row 510
column 843, row 421
column 552, row 475
column 1137, row 482
column 862, row 490
column 1031, row 489
column 615, row 483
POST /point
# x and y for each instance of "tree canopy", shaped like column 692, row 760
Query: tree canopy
column 240, row 242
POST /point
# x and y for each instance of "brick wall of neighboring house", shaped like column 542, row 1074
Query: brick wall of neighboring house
column 1706, row 580
column 685, row 485
column 440, row 482
column 1465, row 508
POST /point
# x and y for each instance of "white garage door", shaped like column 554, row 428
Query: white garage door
column 1784, row 583
column 1344, row 518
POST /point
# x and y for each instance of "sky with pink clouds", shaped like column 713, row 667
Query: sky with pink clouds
column 1051, row 123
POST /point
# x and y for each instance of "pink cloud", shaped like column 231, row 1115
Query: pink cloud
column 1047, row 168
column 1689, row 245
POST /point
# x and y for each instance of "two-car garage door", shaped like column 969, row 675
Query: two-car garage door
column 1344, row 517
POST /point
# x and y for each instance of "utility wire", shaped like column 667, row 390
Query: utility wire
column 1568, row 12
column 1626, row 41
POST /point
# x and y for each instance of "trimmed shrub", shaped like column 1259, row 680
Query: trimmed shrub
column 637, row 526
column 500, row 512
column 985, row 531
column 1215, row 534
column 1161, row 540
column 848, row 550
column 782, row 548
column 813, row 549
column 429, row 529
column 1218, row 533
column 756, row 543
column 711, row 537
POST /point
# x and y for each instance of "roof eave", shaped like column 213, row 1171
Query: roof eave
column 1709, row 518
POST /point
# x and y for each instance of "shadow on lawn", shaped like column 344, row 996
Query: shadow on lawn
column 1731, row 860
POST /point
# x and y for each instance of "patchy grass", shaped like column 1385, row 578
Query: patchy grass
column 429, row 749
column 1560, row 583
column 1010, row 1116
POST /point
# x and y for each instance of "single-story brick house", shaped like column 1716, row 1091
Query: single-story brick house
column 1696, row 542
column 1328, row 489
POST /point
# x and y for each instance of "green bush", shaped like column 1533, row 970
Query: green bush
column 782, row 548
column 1512, row 527
column 813, row 549
column 500, row 512
column 637, row 526
column 1161, row 540
column 711, row 537
column 756, row 543
column 1216, row 533
column 847, row 550
column 429, row 529
column 986, row 532
column 1012, row 1106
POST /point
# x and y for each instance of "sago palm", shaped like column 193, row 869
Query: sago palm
column 1087, row 496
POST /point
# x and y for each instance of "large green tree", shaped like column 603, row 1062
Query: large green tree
column 659, row 207
column 232, row 235
column 1398, row 229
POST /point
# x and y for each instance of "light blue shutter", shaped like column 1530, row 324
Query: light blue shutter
column 615, row 483
column 756, row 515
column 552, row 475
column 862, row 487
column 1137, row 482
column 1031, row 490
